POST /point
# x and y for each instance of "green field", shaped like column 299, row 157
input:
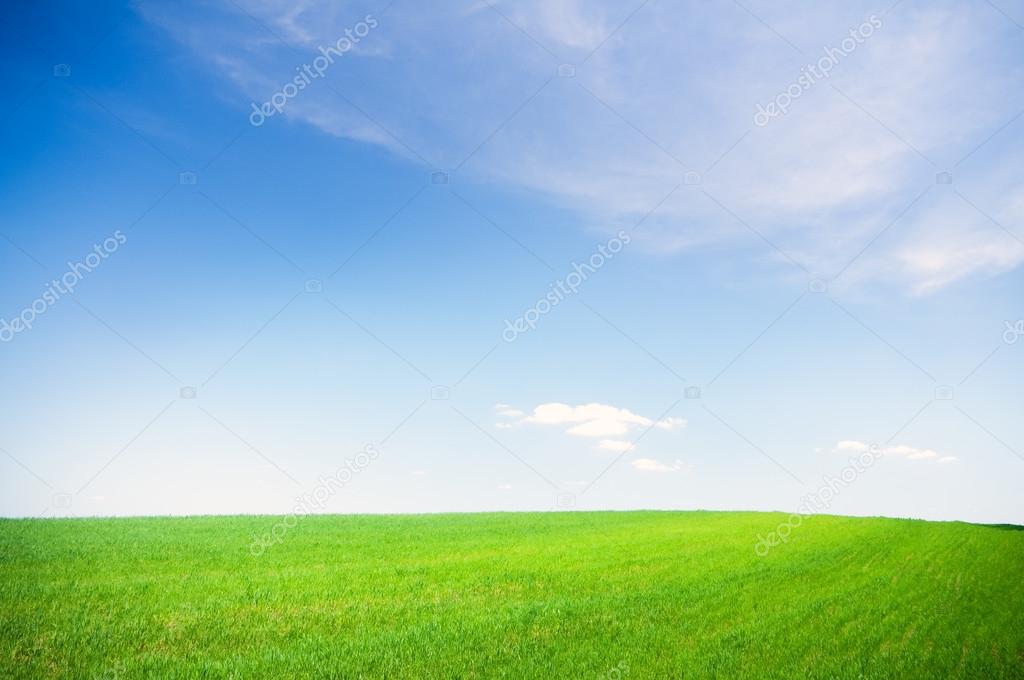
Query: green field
column 547, row 595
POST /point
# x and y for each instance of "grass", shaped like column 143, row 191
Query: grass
column 548, row 595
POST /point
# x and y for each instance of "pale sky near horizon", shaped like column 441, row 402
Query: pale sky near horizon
column 548, row 254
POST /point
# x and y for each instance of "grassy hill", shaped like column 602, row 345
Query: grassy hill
column 546, row 595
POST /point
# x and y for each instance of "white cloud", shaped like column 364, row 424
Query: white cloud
column 597, row 420
column 507, row 411
column 600, row 428
column 555, row 413
column 652, row 465
column 820, row 182
column 894, row 451
column 671, row 423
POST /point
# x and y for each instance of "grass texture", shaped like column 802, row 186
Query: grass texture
column 603, row 595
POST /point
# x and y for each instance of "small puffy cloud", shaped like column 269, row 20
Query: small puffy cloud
column 895, row 451
column 557, row 414
column 596, row 420
column 671, row 423
column 506, row 411
column 652, row 465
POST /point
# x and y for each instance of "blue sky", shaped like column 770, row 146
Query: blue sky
column 796, row 287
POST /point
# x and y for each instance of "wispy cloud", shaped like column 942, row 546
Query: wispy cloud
column 849, row 446
column 664, row 97
column 652, row 465
column 506, row 411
